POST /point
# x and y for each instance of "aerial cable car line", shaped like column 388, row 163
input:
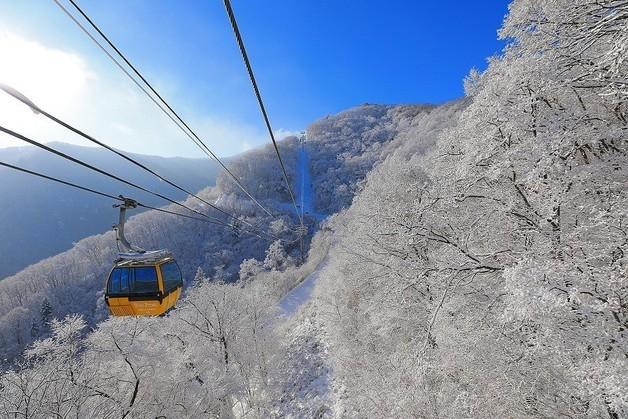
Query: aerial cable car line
column 17, row 95
column 157, row 293
column 247, row 63
column 122, row 198
column 96, row 169
column 87, row 165
column 179, row 122
column 117, row 198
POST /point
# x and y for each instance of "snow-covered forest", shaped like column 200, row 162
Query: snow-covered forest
column 488, row 277
column 473, row 262
column 72, row 282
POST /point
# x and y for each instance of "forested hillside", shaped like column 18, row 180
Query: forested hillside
column 473, row 263
column 33, row 208
column 72, row 282
column 488, row 277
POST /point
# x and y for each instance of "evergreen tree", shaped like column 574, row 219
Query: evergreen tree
column 34, row 329
column 199, row 278
column 46, row 313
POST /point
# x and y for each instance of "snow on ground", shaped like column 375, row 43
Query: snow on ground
column 305, row 187
column 300, row 294
column 308, row 390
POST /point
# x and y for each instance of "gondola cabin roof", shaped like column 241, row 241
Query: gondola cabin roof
column 156, row 257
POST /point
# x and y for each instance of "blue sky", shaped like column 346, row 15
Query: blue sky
column 312, row 58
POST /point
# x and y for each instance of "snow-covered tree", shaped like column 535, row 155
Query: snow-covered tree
column 479, row 270
column 199, row 278
column 505, row 243
column 45, row 313
column 249, row 268
column 276, row 257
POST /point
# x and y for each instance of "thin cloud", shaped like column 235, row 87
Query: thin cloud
column 104, row 104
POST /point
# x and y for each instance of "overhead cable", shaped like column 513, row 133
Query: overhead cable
column 17, row 95
column 247, row 63
column 117, row 198
column 96, row 169
column 179, row 122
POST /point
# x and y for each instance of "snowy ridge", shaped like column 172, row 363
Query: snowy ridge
column 334, row 164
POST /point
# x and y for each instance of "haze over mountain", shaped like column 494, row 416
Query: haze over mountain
column 39, row 218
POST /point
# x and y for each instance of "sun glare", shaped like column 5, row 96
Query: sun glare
column 51, row 78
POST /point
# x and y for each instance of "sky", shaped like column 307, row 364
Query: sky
column 312, row 58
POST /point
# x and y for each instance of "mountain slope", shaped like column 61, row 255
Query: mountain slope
column 487, row 277
column 72, row 281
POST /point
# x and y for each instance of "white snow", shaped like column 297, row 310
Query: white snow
column 306, row 180
column 300, row 294
column 306, row 196
column 309, row 389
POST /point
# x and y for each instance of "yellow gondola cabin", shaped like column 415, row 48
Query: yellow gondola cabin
column 143, row 286
column 141, row 283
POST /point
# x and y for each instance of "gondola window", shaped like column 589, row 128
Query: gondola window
column 171, row 276
column 119, row 282
column 145, row 280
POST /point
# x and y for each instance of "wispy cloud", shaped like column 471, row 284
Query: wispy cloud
column 105, row 104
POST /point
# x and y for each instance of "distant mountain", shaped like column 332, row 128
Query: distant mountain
column 39, row 219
